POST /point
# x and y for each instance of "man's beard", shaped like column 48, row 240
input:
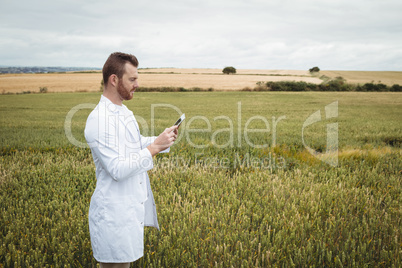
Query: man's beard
column 123, row 92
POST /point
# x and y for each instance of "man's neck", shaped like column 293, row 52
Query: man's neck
column 113, row 98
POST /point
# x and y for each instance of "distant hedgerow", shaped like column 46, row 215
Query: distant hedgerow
column 291, row 86
column 171, row 89
column 396, row 88
column 336, row 84
column 373, row 87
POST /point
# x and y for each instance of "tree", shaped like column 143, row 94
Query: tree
column 229, row 70
column 314, row 70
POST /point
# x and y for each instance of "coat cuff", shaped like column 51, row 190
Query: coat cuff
column 165, row 151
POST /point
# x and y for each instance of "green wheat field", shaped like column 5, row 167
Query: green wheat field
column 238, row 189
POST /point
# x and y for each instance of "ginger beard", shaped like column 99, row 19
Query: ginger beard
column 125, row 93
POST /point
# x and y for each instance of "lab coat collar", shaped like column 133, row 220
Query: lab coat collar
column 128, row 119
column 113, row 107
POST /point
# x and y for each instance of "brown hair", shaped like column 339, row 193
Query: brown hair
column 115, row 64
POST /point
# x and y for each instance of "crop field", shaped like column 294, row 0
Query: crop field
column 361, row 77
column 55, row 82
column 256, row 179
column 186, row 78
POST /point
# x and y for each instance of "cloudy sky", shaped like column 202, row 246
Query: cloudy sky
column 246, row 34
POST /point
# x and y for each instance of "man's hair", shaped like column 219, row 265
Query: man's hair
column 115, row 64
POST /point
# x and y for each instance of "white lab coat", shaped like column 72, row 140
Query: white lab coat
column 122, row 203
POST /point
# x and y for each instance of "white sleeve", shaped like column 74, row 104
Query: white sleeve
column 145, row 141
column 103, row 138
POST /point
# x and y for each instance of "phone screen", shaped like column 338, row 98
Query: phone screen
column 180, row 120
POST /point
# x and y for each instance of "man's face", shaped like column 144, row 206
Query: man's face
column 128, row 83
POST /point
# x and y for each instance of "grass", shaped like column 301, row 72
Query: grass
column 221, row 200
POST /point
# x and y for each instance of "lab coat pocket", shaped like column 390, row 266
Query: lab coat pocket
column 123, row 212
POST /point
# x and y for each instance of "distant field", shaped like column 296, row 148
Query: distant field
column 186, row 78
column 361, row 77
column 64, row 82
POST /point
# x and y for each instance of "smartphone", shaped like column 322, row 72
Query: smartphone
column 180, row 120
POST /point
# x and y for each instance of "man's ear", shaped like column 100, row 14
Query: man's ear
column 113, row 80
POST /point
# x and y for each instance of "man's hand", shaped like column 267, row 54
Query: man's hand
column 164, row 140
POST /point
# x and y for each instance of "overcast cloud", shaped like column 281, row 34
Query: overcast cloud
column 250, row 34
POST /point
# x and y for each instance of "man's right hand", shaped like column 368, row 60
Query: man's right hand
column 163, row 141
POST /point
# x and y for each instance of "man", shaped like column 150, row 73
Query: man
column 122, row 203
